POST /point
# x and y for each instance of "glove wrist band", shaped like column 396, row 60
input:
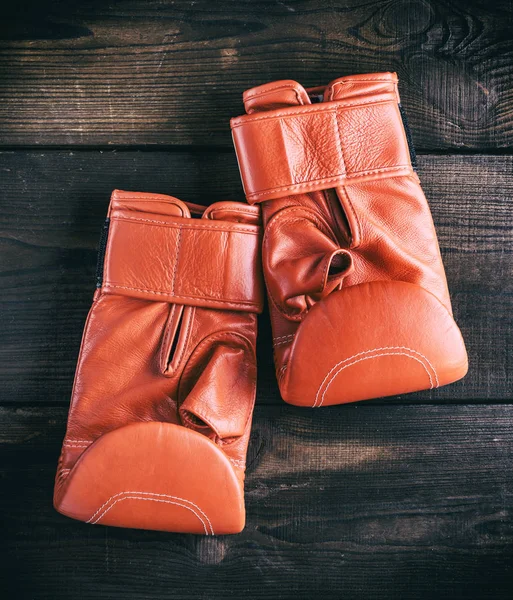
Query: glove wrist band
column 317, row 146
column 197, row 262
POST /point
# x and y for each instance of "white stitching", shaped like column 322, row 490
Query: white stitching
column 368, row 358
column 282, row 337
column 152, row 500
column 78, row 441
column 76, row 445
column 375, row 356
column 150, row 494
column 93, row 522
column 283, row 342
column 378, row 350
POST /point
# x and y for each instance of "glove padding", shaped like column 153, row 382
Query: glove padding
column 165, row 385
column 357, row 291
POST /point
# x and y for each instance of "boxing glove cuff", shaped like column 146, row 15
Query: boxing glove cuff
column 312, row 147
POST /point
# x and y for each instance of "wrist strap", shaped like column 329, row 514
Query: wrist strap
column 319, row 146
column 195, row 262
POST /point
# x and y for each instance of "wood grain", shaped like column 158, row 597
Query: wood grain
column 404, row 498
column 362, row 502
column 54, row 204
column 172, row 72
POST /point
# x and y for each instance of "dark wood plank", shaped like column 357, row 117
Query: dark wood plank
column 172, row 72
column 54, row 204
column 362, row 502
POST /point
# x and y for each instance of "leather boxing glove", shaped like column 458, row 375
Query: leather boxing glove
column 357, row 291
column 161, row 408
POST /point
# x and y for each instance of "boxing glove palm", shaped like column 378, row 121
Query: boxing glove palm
column 165, row 385
column 357, row 292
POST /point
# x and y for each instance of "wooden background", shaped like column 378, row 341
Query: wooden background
column 409, row 497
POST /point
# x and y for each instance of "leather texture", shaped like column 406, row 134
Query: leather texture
column 161, row 408
column 357, row 291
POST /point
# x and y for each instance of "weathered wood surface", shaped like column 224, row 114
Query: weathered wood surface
column 54, row 204
column 404, row 498
column 362, row 502
column 172, row 72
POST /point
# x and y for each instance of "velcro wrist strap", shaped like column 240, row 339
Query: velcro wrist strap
column 319, row 146
column 196, row 262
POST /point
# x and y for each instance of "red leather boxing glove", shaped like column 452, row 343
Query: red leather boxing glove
column 357, row 291
column 165, row 385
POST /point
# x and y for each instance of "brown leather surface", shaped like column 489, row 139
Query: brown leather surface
column 344, row 214
column 165, row 384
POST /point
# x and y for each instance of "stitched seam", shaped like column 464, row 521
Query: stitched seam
column 355, row 215
column 368, row 358
column 339, row 142
column 339, row 138
column 282, row 337
column 176, row 261
column 189, row 226
column 149, row 494
column 76, row 445
column 352, row 79
column 233, row 210
column 341, row 83
column 374, row 356
column 78, row 441
column 368, row 352
column 248, row 119
column 232, row 303
column 327, row 262
column 151, row 199
column 398, row 348
column 250, row 96
column 283, row 342
column 271, row 89
column 178, row 360
column 340, row 178
column 182, row 505
column 165, row 340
